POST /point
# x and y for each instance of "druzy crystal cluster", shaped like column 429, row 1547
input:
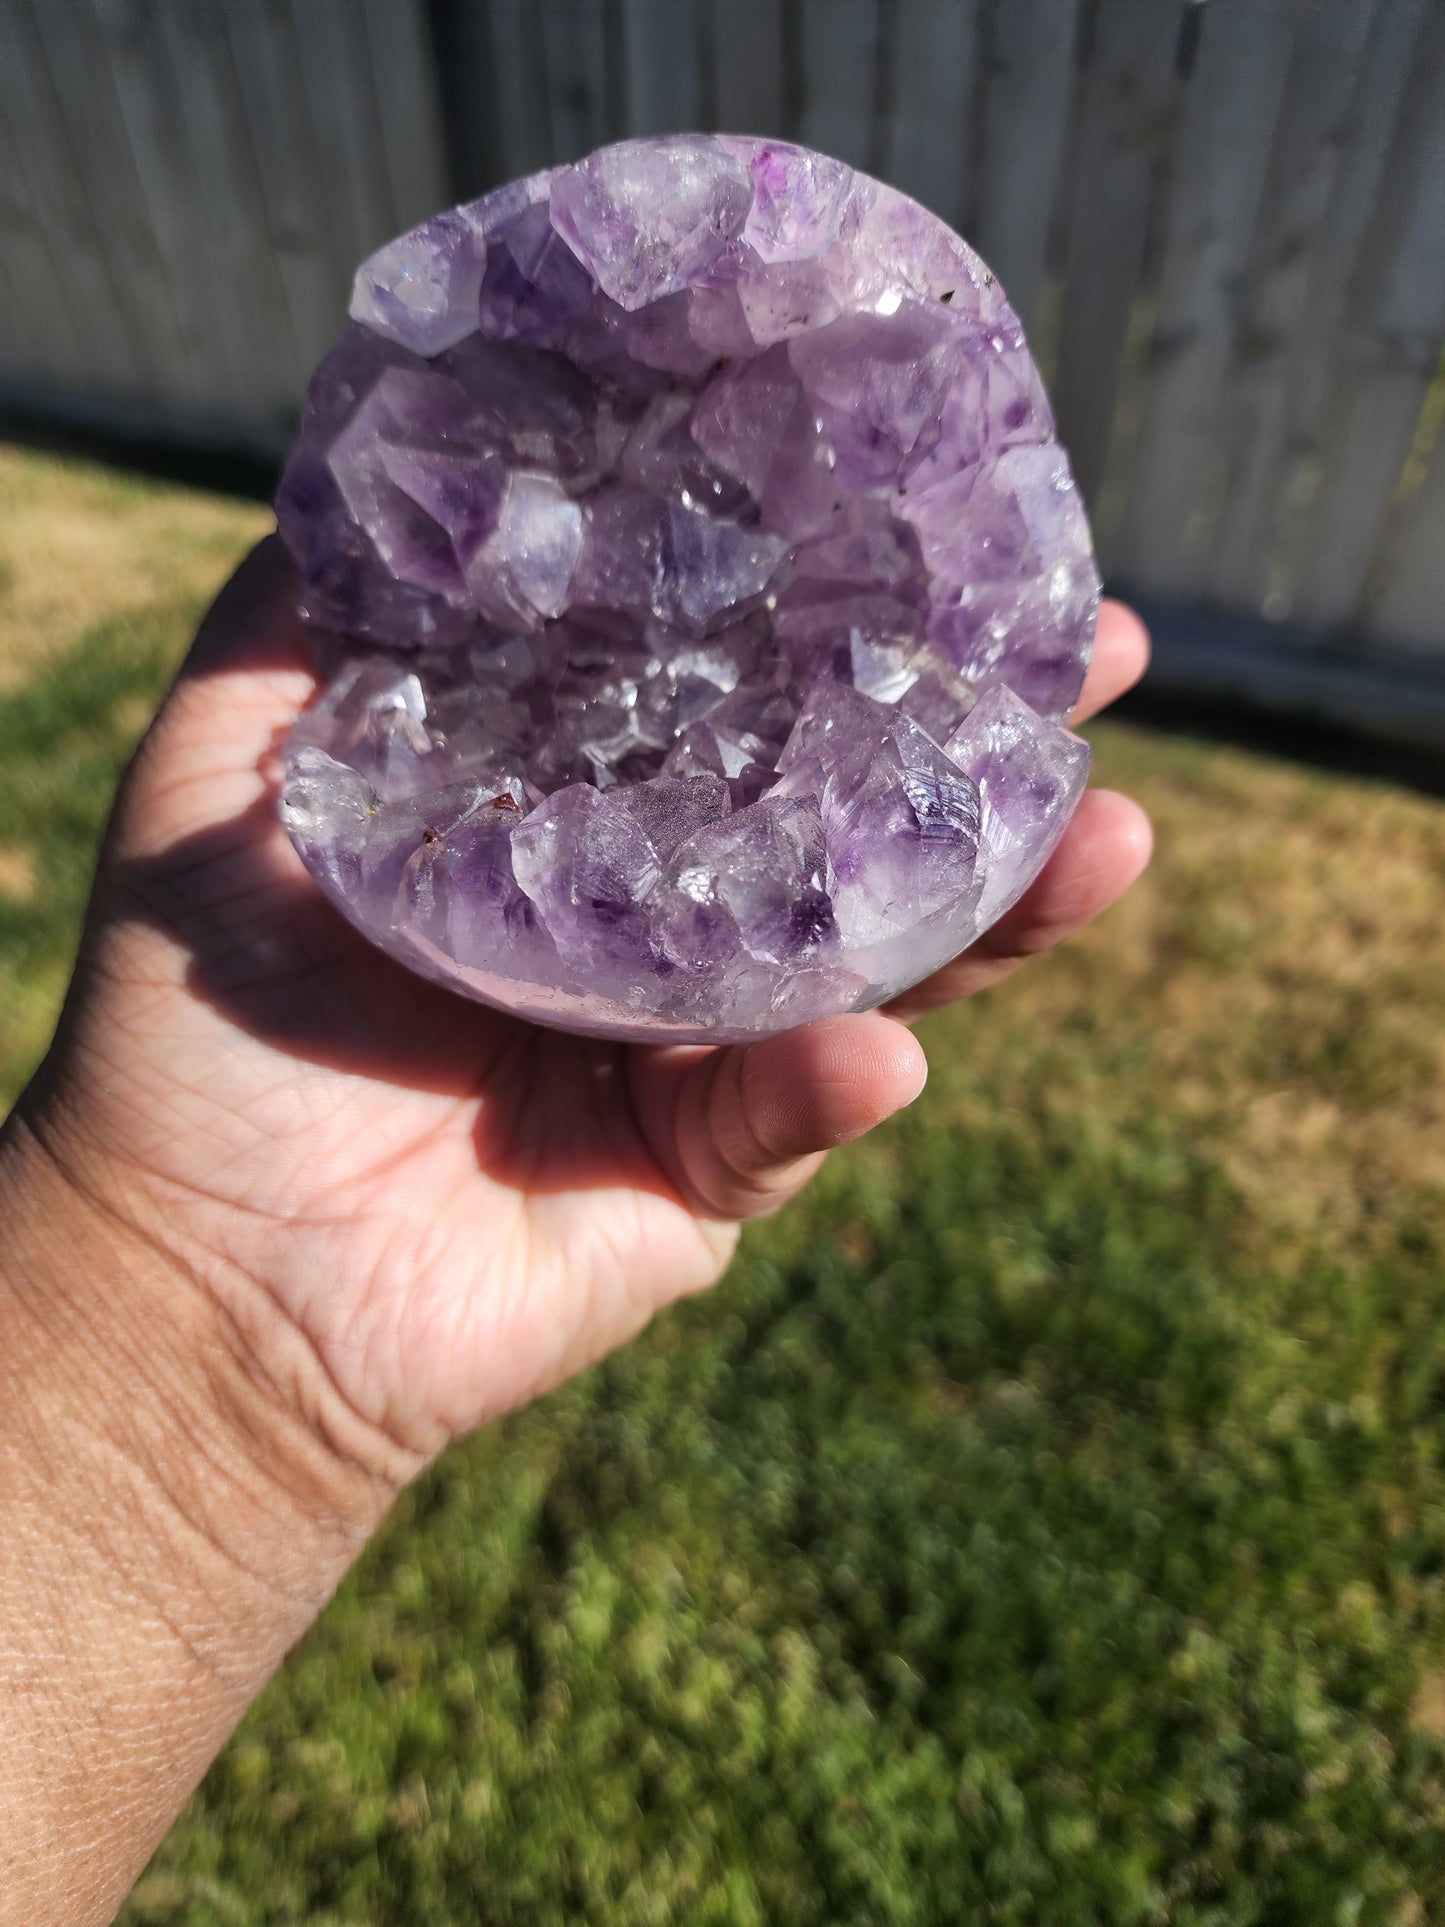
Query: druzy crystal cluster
column 700, row 589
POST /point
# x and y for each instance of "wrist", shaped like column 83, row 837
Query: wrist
column 182, row 1426
column 200, row 1411
column 173, row 1520
column 141, row 1295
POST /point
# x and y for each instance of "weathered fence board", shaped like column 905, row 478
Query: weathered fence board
column 1408, row 602
column 927, row 140
column 218, row 151
column 1129, row 86
column 1391, row 54
column 1390, row 349
column 38, row 322
column 148, row 94
column 840, row 78
column 1220, row 159
column 1222, row 220
column 1028, row 74
column 403, row 75
column 78, row 164
column 518, row 91
column 262, row 44
column 1308, row 147
column 663, row 53
column 750, row 56
column 331, row 43
column 579, row 106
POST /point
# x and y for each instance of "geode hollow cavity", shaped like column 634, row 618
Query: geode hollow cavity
column 704, row 591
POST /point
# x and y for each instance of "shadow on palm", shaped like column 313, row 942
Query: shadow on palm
column 283, row 969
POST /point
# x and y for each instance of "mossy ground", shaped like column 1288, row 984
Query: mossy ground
column 1044, row 1523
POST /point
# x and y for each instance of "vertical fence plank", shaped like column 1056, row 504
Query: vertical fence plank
column 336, row 74
column 519, row 87
column 27, row 354
column 1028, row 79
column 1128, row 90
column 1309, row 143
column 574, row 42
column 1390, row 350
column 22, row 357
column 749, row 53
column 840, row 78
column 170, row 178
column 404, row 81
column 313, row 265
column 40, row 312
column 1290, row 435
column 239, row 251
column 1408, row 602
column 1219, row 163
column 928, row 137
column 1392, row 53
column 662, row 66
column 89, row 148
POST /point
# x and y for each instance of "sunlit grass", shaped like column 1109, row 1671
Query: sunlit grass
column 1044, row 1524
column 102, row 577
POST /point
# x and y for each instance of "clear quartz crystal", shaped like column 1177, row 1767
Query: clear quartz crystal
column 702, row 590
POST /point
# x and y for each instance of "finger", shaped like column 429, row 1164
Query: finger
column 1104, row 850
column 1121, row 655
column 253, row 623
column 741, row 1130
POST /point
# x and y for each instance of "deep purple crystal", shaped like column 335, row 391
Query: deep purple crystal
column 707, row 591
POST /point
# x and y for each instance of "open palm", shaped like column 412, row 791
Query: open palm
column 452, row 1208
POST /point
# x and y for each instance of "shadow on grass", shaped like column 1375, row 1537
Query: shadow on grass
column 1312, row 745
column 198, row 465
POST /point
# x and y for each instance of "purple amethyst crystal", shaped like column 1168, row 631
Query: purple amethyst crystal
column 707, row 591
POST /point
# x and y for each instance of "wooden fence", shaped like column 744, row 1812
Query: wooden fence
column 1223, row 222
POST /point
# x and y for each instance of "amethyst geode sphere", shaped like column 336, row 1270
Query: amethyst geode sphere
column 700, row 588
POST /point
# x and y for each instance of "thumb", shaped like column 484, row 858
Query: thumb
column 741, row 1130
column 248, row 674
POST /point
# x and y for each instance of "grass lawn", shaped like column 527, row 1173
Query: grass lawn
column 1043, row 1524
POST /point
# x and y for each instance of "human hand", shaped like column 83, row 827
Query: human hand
column 453, row 1208
column 278, row 1219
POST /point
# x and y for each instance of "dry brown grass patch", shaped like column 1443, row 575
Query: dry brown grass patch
column 17, row 875
column 79, row 543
